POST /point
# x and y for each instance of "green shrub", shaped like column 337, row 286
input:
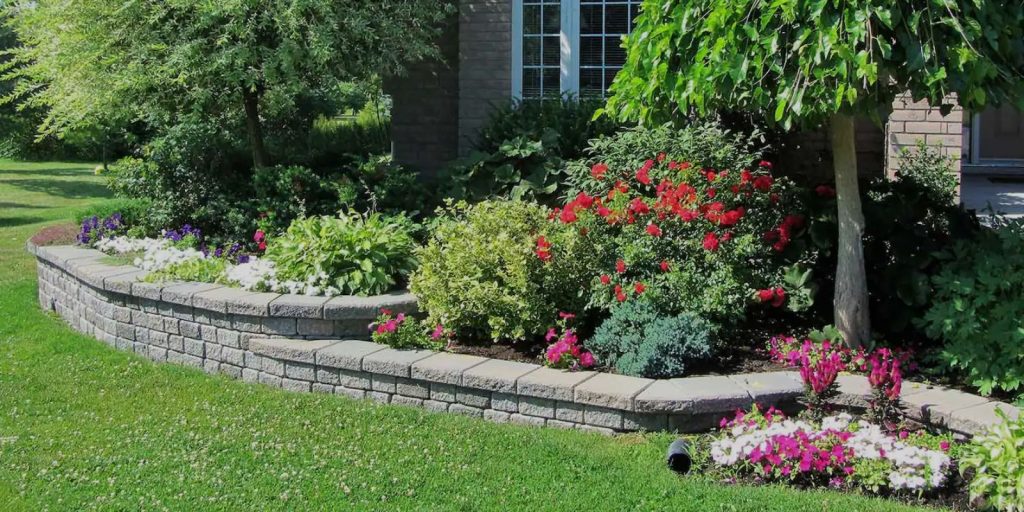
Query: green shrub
column 378, row 184
column 520, row 168
column 908, row 221
column 569, row 121
column 285, row 193
column 353, row 254
column 978, row 308
column 637, row 340
column 705, row 144
column 479, row 274
column 134, row 214
column 995, row 463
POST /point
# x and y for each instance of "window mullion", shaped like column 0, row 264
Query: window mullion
column 570, row 42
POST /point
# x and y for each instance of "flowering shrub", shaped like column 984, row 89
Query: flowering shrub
column 819, row 365
column 498, row 270
column 401, row 331
column 350, row 254
column 689, row 238
column 837, row 452
column 638, row 340
column 95, row 230
column 995, row 461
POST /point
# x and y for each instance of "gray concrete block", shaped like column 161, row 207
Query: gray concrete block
column 568, row 411
column 250, row 375
column 533, row 406
column 506, row 402
column 771, row 388
column 194, row 347
column 327, row 375
column 233, row 371
column 272, row 366
column 181, row 293
column 347, row 354
column 314, row 327
column 937, row 405
column 301, row 386
column 379, row 397
column 443, row 392
column 473, row 397
column 357, row 394
column 354, row 379
column 496, row 416
column 445, row 368
column 298, row 306
column 551, row 383
column 394, row 362
column 277, row 326
column 319, row 387
column 647, row 422
column 611, row 391
column 354, row 307
column 413, row 388
column 435, row 406
column 299, row 371
column 466, row 410
column 254, row 304
column 383, row 383
column 217, row 299
column 521, row 419
column 270, row 380
column 603, row 417
column 290, row 350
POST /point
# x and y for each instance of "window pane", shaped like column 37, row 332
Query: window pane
column 590, row 51
column 531, row 83
column 609, row 77
column 552, row 51
column 616, row 19
column 552, row 84
column 591, row 19
column 614, row 53
column 531, row 51
column 591, row 83
column 552, row 18
column 531, row 19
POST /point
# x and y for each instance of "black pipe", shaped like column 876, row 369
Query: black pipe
column 678, row 457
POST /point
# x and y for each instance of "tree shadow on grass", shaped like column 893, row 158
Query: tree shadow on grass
column 52, row 172
column 20, row 206
column 71, row 189
column 10, row 222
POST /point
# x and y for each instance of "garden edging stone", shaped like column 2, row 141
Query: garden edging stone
column 309, row 344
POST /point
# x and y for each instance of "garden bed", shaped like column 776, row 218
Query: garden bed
column 309, row 349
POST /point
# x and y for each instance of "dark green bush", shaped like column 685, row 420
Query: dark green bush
column 638, row 340
column 570, row 120
column 520, row 169
column 376, row 183
column 908, row 220
column 977, row 308
column 285, row 193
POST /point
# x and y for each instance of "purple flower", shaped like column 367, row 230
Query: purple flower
column 219, row 252
column 243, row 258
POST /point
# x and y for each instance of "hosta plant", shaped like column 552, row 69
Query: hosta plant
column 995, row 462
column 349, row 254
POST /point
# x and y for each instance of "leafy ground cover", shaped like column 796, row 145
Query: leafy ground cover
column 84, row 427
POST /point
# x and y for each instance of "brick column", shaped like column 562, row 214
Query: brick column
column 485, row 64
column 912, row 121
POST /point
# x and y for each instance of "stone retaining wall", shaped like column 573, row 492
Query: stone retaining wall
column 305, row 344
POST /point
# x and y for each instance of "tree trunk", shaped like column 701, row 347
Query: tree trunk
column 251, row 99
column 851, row 298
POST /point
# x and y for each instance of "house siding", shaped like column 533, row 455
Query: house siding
column 485, row 64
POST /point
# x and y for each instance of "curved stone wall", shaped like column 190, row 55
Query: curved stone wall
column 305, row 343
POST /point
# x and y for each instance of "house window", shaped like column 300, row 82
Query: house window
column 569, row 46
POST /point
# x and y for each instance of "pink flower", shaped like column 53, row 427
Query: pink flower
column 259, row 236
column 438, row 332
column 586, row 359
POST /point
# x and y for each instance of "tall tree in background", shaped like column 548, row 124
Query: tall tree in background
column 163, row 61
column 807, row 63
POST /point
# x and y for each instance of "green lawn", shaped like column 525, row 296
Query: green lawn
column 83, row 426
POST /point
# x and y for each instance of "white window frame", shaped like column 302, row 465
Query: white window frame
column 570, row 42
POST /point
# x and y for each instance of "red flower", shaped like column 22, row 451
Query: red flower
column 259, row 236
column 566, row 316
column 688, row 215
column 639, row 288
column 727, row 236
column 731, row 217
column 765, row 295
column 543, row 249
column 661, row 157
column 262, row 246
column 598, row 171
column 711, row 193
column 825, row 191
column 774, row 198
column 603, row 210
column 711, row 242
column 780, row 298
column 665, row 266
column 764, row 163
column 653, row 230
column 745, row 176
column 619, row 295
column 763, row 183
column 710, row 175
column 568, row 216
column 684, row 166
column 606, row 279
column 642, row 175
column 620, row 266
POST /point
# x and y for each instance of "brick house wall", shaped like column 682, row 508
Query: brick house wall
column 912, row 121
column 485, row 64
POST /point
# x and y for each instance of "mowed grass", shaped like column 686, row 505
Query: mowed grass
column 85, row 427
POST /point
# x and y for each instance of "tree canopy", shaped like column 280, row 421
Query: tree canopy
column 799, row 62
column 159, row 61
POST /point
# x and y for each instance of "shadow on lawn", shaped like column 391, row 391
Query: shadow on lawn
column 71, row 189
column 50, row 171
column 20, row 206
column 10, row 222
